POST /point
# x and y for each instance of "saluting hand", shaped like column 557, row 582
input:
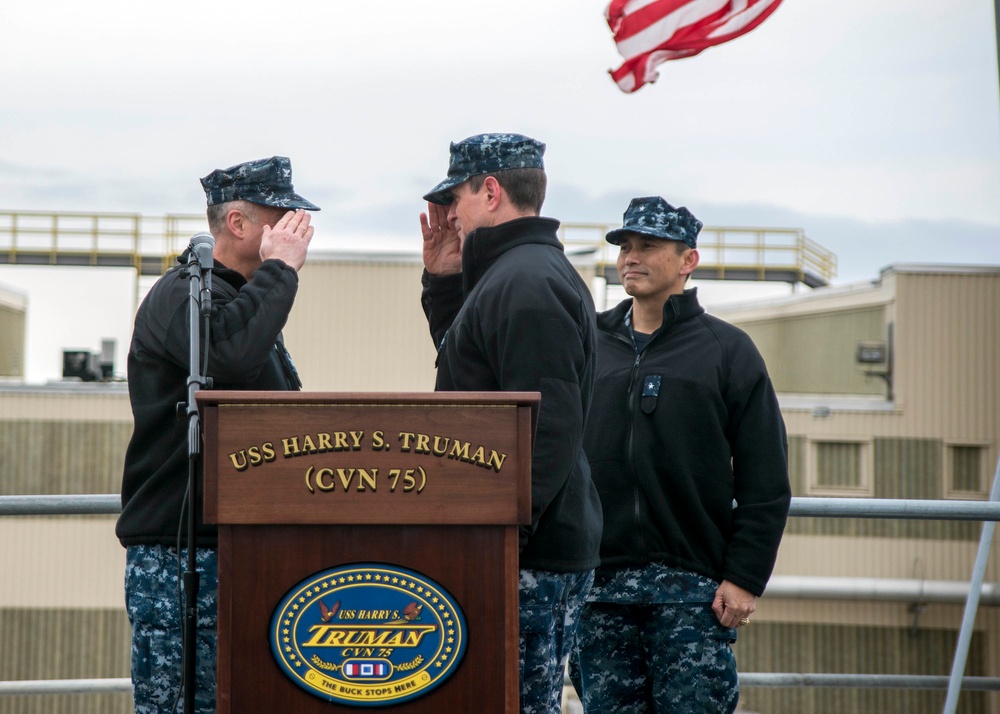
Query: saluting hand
column 289, row 240
column 442, row 247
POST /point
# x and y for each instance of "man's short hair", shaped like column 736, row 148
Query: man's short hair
column 217, row 214
column 524, row 187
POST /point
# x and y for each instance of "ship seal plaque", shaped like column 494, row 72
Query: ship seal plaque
column 368, row 634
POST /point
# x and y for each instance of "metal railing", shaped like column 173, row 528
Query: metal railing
column 988, row 512
column 780, row 254
column 66, row 238
column 149, row 244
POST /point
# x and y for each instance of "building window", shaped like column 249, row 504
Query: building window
column 964, row 473
column 839, row 468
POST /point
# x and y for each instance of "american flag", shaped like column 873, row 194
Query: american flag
column 650, row 32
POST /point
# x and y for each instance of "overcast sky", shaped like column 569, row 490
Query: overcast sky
column 873, row 126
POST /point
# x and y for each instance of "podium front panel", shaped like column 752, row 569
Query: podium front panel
column 390, row 461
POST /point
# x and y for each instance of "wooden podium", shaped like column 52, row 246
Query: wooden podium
column 300, row 483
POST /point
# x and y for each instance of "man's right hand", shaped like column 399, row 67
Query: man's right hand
column 289, row 240
column 442, row 247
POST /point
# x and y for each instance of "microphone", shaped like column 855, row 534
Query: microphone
column 201, row 247
column 201, row 254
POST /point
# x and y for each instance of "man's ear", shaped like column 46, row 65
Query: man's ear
column 236, row 222
column 691, row 259
column 493, row 191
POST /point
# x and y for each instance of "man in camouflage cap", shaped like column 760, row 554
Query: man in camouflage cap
column 685, row 422
column 508, row 312
column 262, row 232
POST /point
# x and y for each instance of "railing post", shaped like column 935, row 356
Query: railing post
column 95, row 232
column 13, row 236
column 55, row 239
column 971, row 605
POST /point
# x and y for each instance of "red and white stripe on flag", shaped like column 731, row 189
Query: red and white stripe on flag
column 650, row 32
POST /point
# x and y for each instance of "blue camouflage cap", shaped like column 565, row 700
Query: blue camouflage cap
column 264, row 181
column 652, row 216
column 486, row 154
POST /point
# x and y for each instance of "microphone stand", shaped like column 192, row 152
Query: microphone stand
column 199, row 267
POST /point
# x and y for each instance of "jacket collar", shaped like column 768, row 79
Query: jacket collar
column 676, row 309
column 218, row 269
column 484, row 245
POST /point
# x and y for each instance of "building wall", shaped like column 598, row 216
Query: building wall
column 65, row 643
column 902, row 468
column 62, row 606
column 948, row 347
column 358, row 327
column 823, row 646
column 12, row 333
column 945, row 369
column 945, row 374
column 816, row 353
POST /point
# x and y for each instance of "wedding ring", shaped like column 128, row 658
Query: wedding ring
column 745, row 621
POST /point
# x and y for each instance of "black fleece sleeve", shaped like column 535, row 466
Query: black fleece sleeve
column 760, row 472
column 243, row 329
column 441, row 299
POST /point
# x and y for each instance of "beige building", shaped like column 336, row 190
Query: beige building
column 13, row 306
column 918, row 420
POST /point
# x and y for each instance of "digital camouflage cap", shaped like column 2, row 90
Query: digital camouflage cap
column 653, row 216
column 486, row 154
column 267, row 182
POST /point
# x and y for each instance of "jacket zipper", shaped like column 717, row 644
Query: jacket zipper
column 631, row 450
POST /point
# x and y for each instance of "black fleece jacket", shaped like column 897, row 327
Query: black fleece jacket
column 520, row 318
column 670, row 462
column 245, row 352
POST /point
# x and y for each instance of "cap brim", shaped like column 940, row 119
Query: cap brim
column 616, row 236
column 290, row 201
column 441, row 194
column 299, row 202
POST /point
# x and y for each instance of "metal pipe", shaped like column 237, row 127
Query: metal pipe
column 65, row 686
column 857, row 681
column 802, row 507
column 972, row 604
column 895, row 508
column 944, row 592
column 863, row 681
column 76, row 504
